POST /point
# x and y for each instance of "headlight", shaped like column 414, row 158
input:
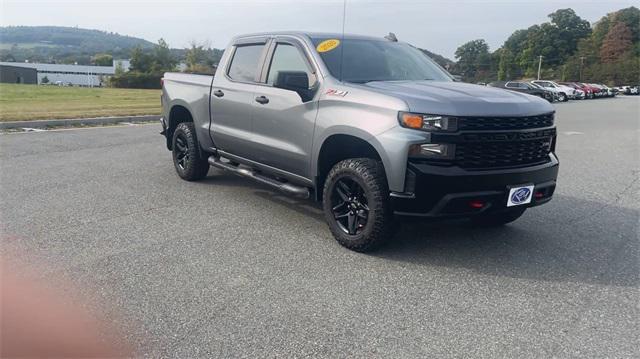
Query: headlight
column 435, row 151
column 428, row 122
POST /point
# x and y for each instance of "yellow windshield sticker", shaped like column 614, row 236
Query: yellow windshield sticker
column 328, row 45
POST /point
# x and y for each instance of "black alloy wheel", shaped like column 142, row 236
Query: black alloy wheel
column 182, row 151
column 349, row 206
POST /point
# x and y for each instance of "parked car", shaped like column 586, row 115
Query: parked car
column 609, row 91
column 590, row 91
column 524, row 87
column 303, row 114
column 563, row 93
column 599, row 90
column 574, row 93
column 554, row 94
column 627, row 90
column 624, row 90
column 584, row 92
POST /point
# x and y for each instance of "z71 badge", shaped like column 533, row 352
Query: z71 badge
column 334, row 92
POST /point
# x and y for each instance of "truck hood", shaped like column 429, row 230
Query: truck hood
column 461, row 99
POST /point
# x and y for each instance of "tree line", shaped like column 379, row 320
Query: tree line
column 567, row 48
column 148, row 66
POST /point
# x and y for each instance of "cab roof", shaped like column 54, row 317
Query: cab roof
column 312, row 35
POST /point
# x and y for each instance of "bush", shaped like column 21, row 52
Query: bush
column 136, row 80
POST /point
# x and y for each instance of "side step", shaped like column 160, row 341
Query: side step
column 286, row 187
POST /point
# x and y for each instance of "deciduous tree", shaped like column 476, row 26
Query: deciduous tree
column 616, row 43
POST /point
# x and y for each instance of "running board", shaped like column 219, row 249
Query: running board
column 286, row 187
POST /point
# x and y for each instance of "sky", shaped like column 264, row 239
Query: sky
column 437, row 25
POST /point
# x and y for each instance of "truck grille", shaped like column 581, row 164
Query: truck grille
column 484, row 155
column 504, row 123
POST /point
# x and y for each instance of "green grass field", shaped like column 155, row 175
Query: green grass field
column 33, row 102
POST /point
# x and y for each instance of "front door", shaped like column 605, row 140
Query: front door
column 283, row 120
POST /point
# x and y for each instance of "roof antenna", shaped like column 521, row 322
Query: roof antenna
column 391, row 37
column 344, row 16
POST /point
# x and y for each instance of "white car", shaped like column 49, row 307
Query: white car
column 610, row 91
column 564, row 92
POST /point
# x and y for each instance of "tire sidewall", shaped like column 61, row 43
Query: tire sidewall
column 185, row 129
column 379, row 220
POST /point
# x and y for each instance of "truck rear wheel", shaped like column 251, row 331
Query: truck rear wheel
column 186, row 156
column 356, row 204
column 497, row 218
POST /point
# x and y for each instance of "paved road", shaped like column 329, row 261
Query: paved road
column 227, row 268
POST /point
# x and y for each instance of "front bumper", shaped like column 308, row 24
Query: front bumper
column 449, row 191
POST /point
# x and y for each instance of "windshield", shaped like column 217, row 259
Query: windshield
column 378, row 60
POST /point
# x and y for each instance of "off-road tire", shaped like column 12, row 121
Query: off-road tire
column 370, row 176
column 193, row 167
column 497, row 218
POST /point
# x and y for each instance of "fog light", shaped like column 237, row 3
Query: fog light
column 442, row 151
column 476, row 204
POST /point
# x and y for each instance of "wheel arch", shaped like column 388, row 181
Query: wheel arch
column 339, row 146
column 178, row 113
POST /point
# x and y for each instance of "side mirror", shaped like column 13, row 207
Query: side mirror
column 296, row 81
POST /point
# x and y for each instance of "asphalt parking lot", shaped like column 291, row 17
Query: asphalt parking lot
column 228, row 268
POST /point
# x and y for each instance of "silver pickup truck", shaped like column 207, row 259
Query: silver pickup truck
column 371, row 127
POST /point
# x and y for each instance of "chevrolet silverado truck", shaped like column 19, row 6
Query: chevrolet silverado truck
column 370, row 127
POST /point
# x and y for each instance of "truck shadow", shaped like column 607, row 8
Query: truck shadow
column 568, row 240
column 572, row 240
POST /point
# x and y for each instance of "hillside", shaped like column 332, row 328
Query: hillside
column 441, row 60
column 63, row 44
column 68, row 37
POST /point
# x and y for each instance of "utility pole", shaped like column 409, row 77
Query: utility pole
column 539, row 65
column 581, row 65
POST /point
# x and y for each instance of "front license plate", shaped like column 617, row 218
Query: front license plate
column 519, row 195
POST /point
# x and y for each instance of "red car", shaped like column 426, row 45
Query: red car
column 589, row 91
column 597, row 91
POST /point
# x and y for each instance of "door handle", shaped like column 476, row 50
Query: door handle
column 262, row 99
column 218, row 93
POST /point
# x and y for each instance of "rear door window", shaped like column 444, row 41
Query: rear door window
column 245, row 62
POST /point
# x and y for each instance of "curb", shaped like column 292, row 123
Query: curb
column 76, row 122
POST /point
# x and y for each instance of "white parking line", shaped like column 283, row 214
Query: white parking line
column 40, row 130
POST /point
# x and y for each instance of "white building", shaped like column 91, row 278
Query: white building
column 126, row 64
column 77, row 75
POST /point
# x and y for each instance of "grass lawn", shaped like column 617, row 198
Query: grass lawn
column 33, row 102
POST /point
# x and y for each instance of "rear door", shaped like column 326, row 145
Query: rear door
column 283, row 120
column 232, row 96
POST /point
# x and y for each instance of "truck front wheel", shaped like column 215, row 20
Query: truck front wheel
column 186, row 156
column 497, row 218
column 356, row 204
